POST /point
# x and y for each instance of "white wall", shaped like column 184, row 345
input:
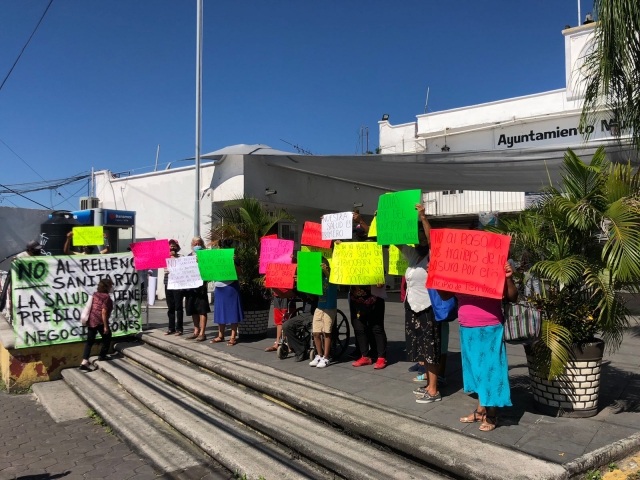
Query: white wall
column 18, row 226
column 163, row 202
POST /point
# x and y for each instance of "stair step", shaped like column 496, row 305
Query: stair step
column 142, row 430
column 233, row 445
column 449, row 451
column 316, row 441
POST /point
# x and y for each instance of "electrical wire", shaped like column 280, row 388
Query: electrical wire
column 71, row 196
column 25, row 45
column 19, row 194
column 25, row 162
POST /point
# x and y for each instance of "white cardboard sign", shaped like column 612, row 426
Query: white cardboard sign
column 337, row 226
column 183, row 273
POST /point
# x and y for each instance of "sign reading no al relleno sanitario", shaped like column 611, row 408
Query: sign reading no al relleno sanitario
column 49, row 293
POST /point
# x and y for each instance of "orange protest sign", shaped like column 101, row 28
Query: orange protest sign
column 312, row 235
column 468, row 261
column 280, row 275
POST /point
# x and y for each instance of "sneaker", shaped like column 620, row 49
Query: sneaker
column 315, row 361
column 324, row 362
column 301, row 358
column 428, row 398
column 362, row 362
column 420, row 391
column 380, row 364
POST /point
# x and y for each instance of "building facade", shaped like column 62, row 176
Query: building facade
column 537, row 120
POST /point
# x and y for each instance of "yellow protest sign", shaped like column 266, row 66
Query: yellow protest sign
column 373, row 228
column 87, row 236
column 397, row 263
column 357, row 263
column 326, row 252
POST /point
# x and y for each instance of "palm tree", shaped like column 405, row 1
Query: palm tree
column 584, row 241
column 612, row 68
column 243, row 222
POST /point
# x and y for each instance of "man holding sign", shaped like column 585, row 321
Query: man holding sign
column 457, row 256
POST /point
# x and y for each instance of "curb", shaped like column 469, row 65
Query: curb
column 445, row 449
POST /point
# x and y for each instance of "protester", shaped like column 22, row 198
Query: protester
column 423, row 332
column 484, row 354
column 174, row 298
column 197, row 301
column 296, row 328
column 227, row 309
column 33, row 249
column 86, row 250
column 284, row 306
column 98, row 322
column 324, row 318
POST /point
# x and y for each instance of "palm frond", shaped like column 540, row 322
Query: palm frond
column 553, row 350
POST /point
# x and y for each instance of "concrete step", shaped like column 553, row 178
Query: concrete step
column 142, row 430
column 305, row 435
column 448, row 451
column 232, row 444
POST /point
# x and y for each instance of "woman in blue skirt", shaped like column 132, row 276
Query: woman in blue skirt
column 227, row 308
column 484, row 355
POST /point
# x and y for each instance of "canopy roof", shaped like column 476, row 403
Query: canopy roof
column 511, row 170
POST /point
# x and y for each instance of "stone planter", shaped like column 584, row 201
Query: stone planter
column 255, row 323
column 575, row 394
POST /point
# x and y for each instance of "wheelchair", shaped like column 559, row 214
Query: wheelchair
column 341, row 334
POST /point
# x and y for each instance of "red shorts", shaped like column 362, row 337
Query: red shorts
column 278, row 315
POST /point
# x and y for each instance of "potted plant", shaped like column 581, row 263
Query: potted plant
column 242, row 223
column 582, row 246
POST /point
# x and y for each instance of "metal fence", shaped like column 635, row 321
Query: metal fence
column 467, row 202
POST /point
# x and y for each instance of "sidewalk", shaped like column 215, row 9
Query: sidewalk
column 33, row 446
column 560, row 440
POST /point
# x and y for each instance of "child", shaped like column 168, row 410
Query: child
column 284, row 306
column 323, row 318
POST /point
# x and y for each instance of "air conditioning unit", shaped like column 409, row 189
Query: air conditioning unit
column 87, row 203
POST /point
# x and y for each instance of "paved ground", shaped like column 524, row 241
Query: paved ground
column 33, row 447
column 556, row 439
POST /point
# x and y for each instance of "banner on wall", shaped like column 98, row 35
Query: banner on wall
column 49, row 293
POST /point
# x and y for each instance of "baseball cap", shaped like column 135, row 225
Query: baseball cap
column 33, row 245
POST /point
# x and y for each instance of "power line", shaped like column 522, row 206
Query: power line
column 25, row 45
column 25, row 162
column 71, row 196
column 37, row 203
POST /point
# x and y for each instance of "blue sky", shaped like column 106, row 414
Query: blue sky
column 103, row 83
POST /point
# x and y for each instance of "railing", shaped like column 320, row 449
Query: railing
column 469, row 202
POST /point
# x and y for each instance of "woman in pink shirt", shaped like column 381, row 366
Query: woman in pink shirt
column 484, row 355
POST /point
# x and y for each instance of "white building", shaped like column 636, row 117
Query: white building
column 537, row 120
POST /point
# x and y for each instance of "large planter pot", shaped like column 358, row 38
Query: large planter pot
column 255, row 323
column 575, row 394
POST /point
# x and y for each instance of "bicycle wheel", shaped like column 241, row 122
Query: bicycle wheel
column 341, row 335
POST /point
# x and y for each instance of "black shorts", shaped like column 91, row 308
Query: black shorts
column 196, row 304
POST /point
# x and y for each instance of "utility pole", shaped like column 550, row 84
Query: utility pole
column 157, row 155
column 196, row 209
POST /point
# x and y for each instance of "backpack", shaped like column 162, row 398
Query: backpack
column 444, row 311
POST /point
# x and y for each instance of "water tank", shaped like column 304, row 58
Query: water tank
column 54, row 231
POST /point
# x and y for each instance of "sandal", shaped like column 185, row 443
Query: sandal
column 177, row 334
column 193, row 336
column 169, row 332
column 272, row 348
column 421, row 378
column 217, row 340
column 232, row 342
column 201, row 338
column 477, row 417
column 489, row 426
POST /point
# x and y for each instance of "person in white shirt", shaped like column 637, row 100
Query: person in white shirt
column 423, row 332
